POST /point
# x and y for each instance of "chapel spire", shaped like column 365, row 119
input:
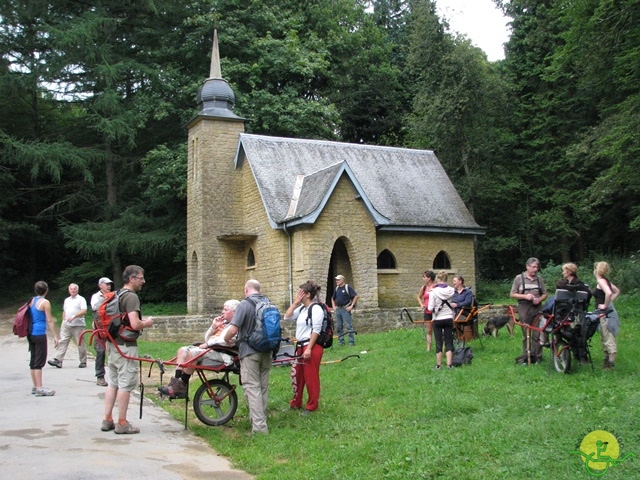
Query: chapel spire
column 216, row 98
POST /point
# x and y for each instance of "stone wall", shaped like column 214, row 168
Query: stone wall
column 191, row 328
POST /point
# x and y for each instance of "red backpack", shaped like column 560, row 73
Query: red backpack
column 111, row 318
column 22, row 323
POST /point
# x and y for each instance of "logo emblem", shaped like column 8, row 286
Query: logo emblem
column 600, row 450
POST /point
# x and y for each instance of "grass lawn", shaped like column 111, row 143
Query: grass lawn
column 390, row 415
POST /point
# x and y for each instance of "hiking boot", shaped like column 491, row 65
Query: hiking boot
column 55, row 363
column 82, row 365
column 126, row 429
column 44, row 392
column 101, row 382
column 107, row 425
column 175, row 389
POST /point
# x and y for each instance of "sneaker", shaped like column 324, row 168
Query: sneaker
column 306, row 413
column 126, row 429
column 175, row 389
column 107, row 425
column 33, row 390
column 55, row 363
column 44, row 392
column 100, row 381
column 450, row 366
column 82, row 365
column 438, row 367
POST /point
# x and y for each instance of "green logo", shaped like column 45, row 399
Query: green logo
column 599, row 451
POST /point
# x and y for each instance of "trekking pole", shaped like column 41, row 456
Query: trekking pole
column 141, row 388
column 341, row 360
column 528, row 346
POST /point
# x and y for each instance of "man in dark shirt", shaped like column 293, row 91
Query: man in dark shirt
column 344, row 300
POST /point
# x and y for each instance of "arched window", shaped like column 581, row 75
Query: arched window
column 386, row 261
column 251, row 259
column 442, row 262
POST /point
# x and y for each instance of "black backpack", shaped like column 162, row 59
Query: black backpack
column 462, row 356
column 325, row 339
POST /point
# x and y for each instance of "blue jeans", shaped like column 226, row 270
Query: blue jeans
column 343, row 318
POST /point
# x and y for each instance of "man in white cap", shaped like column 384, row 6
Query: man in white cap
column 105, row 285
column 344, row 300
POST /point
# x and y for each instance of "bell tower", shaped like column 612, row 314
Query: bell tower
column 213, row 191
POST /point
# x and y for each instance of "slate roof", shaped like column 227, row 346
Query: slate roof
column 402, row 189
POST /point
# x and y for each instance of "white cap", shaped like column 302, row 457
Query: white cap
column 104, row 280
column 340, row 277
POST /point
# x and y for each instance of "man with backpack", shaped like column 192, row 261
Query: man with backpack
column 344, row 300
column 123, row 372
column 105, row 285
column 255, row 366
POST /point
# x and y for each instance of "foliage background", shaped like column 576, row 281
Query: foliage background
column 542, row 146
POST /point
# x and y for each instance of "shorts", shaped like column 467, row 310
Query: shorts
column 123, row 373
column 38, row 351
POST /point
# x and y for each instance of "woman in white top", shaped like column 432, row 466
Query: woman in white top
column 305, row 370
column 439, row 304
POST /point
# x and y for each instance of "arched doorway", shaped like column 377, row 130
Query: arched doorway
column 339, row 264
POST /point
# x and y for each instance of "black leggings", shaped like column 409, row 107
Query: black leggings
column 443, row 329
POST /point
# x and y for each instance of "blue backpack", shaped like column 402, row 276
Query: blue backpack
column 266, row 333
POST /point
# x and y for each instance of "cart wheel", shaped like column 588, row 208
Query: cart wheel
column 220, row 408
column 562, row 361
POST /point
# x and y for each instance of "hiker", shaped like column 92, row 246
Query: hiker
column 73, row 324
column 40, row 310
column 305, row 370
column 428, row 279
column 439, row 299
column 105, row 286
column 528, row 288
column 255, row 366
column 123, row 372
column 605, row 293
column 344, row 300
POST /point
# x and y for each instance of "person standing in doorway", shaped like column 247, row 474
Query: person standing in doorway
column 123, row 372
column 344, row 300
column 528, row 288
column 73, row 324
column 105, row 285
column 255, row 366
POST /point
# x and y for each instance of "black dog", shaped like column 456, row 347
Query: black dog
column 496, row 323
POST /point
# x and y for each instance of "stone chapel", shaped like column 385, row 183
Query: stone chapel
column 285, row 210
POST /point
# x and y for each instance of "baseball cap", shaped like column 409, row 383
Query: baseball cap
column 340, row 277
column 104, row 280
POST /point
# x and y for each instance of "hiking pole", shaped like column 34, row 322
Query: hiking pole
column 341, row 360
column 528, row 346
column 141, row 388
